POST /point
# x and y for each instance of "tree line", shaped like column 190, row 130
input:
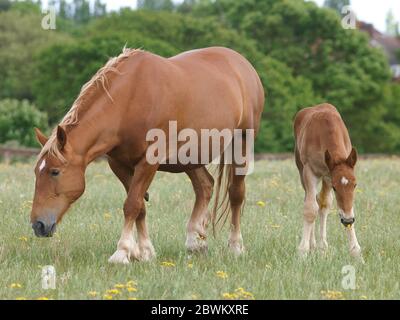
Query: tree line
column 301, row 52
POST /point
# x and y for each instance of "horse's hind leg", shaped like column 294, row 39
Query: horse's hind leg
column 237, row 192
column 203, row 184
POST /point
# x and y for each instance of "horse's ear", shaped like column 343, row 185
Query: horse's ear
column 61, row 137
column 40, row 137
column 329, row 161
column 352, row 158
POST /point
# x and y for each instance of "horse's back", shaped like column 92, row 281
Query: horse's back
column 225, row 74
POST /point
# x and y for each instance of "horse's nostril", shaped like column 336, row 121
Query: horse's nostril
column 38, row 225
column 38, row 228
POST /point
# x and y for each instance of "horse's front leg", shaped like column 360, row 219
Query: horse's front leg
column 127, row 248
column 310, row 210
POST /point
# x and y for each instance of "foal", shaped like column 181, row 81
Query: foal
column 324, row 152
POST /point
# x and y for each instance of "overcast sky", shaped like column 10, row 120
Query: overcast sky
column 372, row 11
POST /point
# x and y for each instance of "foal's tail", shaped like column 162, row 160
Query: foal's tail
column 220, row 211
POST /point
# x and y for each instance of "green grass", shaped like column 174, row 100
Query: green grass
column 270, row 268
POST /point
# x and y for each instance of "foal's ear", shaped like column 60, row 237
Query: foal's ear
column 352, row 158
column 329, row 161
column 40, row 137
column 61, row 137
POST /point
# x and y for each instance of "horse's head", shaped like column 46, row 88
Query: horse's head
column 343, row 183
column 59, row 182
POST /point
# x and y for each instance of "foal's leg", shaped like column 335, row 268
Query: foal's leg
column 325, row 199
column 203, row 184
column 133, row 209
column 355, row 249
column 310, row 209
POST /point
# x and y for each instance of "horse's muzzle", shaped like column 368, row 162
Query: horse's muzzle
column 347, row 221
column 42, row 229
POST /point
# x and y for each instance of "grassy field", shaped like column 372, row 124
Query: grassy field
column 270, row 268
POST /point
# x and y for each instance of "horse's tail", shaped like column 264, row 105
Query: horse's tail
column 221, row 205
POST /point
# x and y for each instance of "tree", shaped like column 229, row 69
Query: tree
column 21, row 38
column 64, row 10
column 336, row 4
column 340, row 64
column 17, row 120
column 392, row 26
column 81, row 11
column 167, row 5
column 5, row 5
column 99, row 9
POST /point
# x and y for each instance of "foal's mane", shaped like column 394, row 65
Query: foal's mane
column 79, row 105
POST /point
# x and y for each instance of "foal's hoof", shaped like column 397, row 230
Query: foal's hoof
column 303, row 252
column 355, row 252
column 119, row 257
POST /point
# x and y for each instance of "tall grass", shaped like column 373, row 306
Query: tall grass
column 270, row 268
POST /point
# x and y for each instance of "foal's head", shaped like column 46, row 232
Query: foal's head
column 59, row 182
column 343, row 183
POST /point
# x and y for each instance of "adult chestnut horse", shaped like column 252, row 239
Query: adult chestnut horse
column 324, row 152
column 211, row 88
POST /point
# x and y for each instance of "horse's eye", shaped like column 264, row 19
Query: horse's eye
column 334, row 189
column 54, row 172
column 355, row 185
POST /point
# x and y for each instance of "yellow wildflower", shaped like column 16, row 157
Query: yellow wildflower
column 230, row 296
column 332, row 295
column 15, row 286
column 113, row 291
column 108, row 297
column 167, row 264
column 92, row 293
column 261, row 204
column 42, row 298
column 107, row 216
column 23, row 238
column 119, row 286
column 221, row 274
column 131, row 289
column 190, row 265
column 244, row 294
column 20, row 298
column 131, row 283
column 132, row 298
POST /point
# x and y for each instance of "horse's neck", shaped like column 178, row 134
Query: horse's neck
column 95, row 134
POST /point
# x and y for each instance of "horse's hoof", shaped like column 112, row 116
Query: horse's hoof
column 119, row 257
column 147, row 252
column 236, row 247
column 197, row 246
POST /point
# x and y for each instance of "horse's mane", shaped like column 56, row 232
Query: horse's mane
column 72, row 116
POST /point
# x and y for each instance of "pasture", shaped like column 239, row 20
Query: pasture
column 271, row 228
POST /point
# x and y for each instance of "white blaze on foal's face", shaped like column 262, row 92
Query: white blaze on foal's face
column 344, row 181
